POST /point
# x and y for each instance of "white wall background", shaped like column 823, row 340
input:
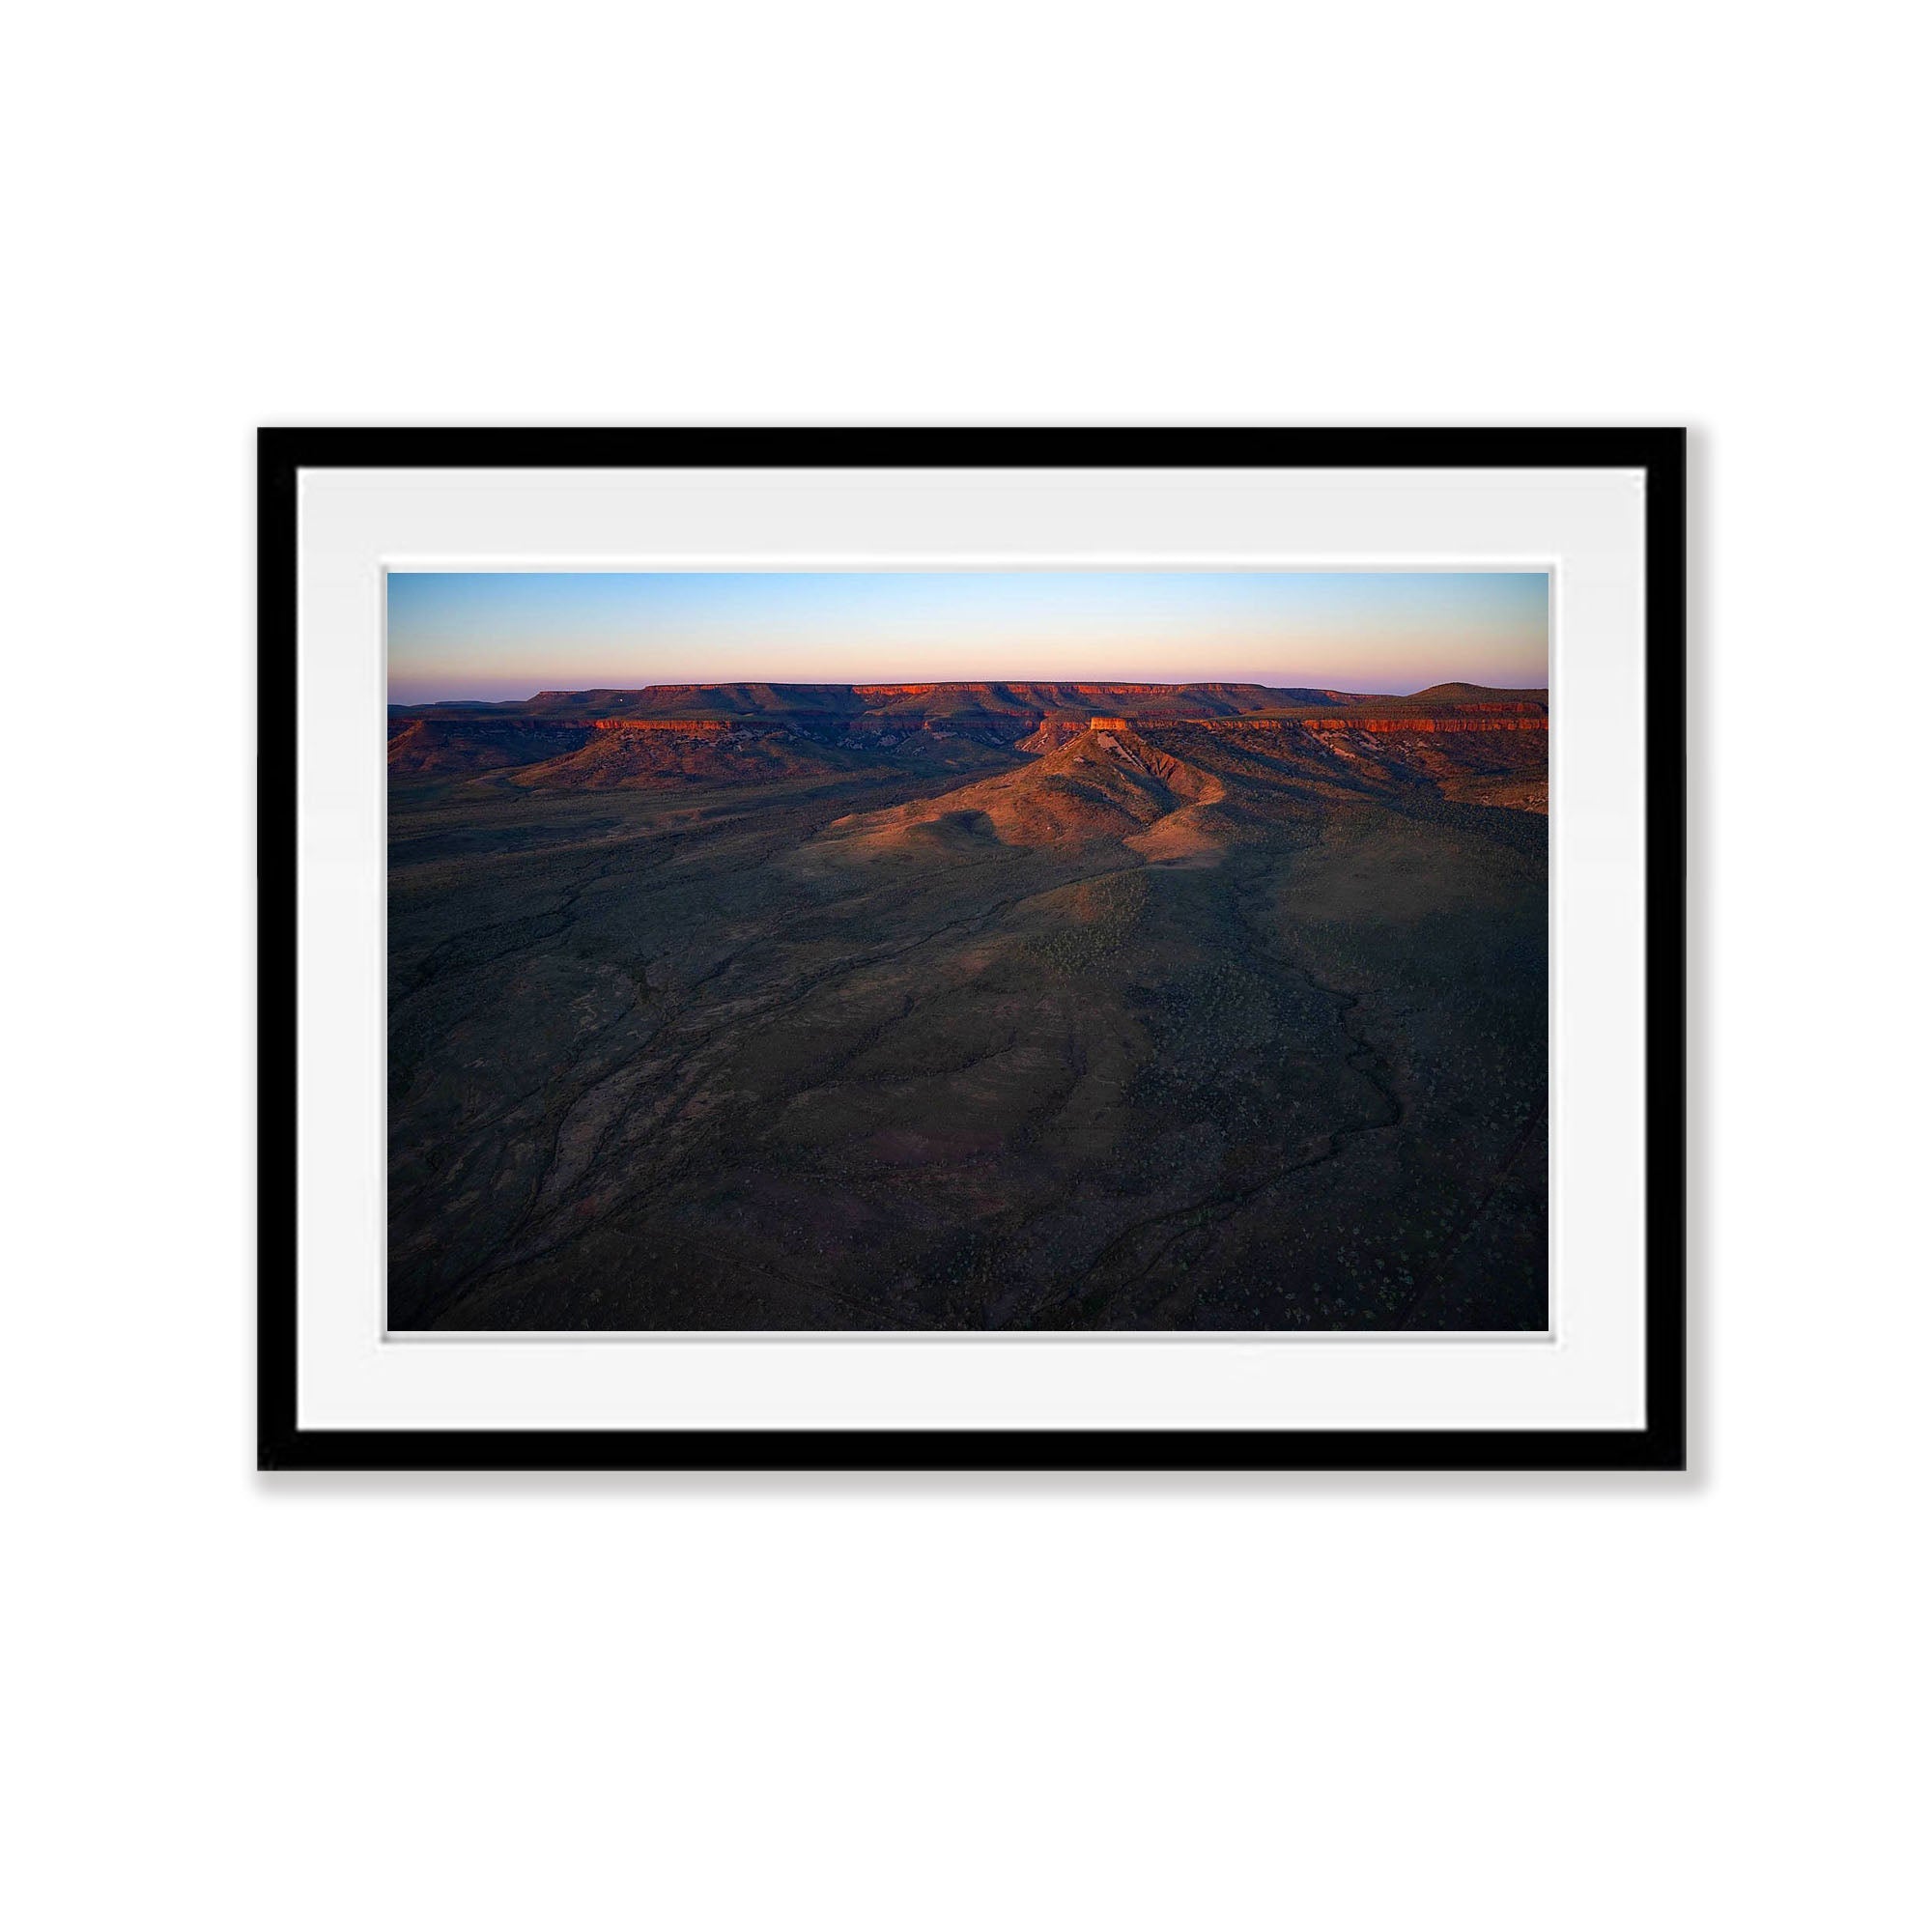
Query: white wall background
column 1341, row 1704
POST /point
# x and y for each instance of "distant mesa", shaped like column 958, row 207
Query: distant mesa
column 1015, row 704
column 1425, row 724
column 666, row 736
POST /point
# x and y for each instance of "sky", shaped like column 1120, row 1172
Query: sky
column 502, row 634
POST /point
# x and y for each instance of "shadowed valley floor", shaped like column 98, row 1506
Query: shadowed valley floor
column 975, row 1015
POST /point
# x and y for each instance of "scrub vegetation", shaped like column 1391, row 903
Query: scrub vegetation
column 851, row 1016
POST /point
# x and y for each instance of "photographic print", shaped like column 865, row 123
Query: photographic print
column 971, row 952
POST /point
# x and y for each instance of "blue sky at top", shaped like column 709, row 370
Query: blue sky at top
column 510, row 634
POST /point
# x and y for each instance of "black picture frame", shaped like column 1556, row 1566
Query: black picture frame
column 1660, row 1444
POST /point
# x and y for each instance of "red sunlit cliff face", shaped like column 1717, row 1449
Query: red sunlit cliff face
column 675, row 736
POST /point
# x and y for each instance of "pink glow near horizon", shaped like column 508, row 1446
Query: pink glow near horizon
column 507, row 635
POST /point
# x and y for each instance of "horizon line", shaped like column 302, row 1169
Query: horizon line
column 971, row 683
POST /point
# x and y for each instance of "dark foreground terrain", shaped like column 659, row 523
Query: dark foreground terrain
column 1009, row 1007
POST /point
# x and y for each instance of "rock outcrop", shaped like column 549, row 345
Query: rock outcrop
column 719, row 733
column 427, row 746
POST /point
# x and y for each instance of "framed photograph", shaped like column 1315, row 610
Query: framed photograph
column 971, row 949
